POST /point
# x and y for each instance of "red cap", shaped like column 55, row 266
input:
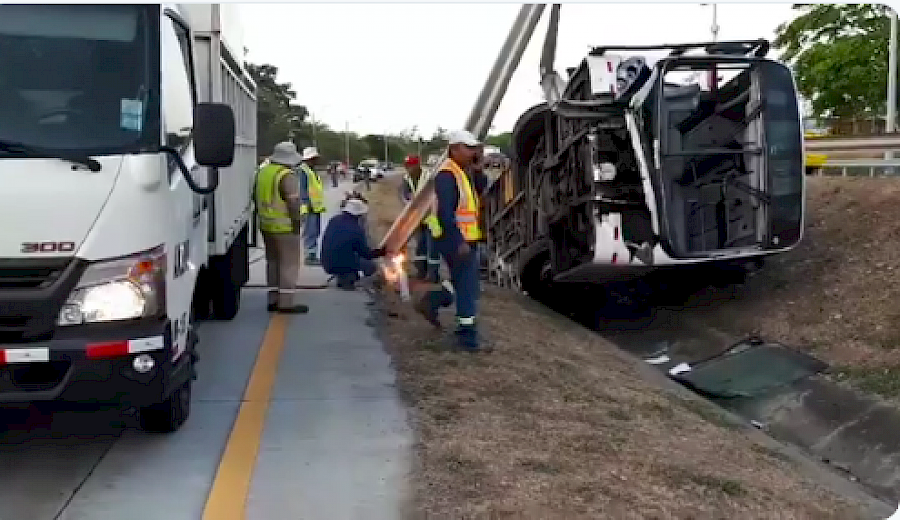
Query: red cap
column 411, row 160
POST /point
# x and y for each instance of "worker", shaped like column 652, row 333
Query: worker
column 312, row 194
column 456, row 238
column 345, row 249
column 278, row 207
column 426, row 260
column 333, row 172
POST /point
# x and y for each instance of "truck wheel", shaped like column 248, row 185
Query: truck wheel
column 200, row 304
column 169, row 415
column 227, row 301
column 229, row 273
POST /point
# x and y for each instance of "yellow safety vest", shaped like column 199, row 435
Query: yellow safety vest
column 431, row 220
column 270, row 206
column 315, row 189
column 466, row 208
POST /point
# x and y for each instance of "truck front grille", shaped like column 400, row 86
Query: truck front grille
column 30, row 273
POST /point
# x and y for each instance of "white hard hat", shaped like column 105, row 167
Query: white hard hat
column 355, row 207
column 463, row 137
column 310, row 153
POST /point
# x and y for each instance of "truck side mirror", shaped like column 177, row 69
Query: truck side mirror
column 214, row 135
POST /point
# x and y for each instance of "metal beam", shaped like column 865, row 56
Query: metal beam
column 479, row 121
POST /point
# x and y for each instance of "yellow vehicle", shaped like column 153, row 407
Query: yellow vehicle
column 814, row 161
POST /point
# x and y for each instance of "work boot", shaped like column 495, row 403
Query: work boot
column 426, row 307
column 346, row 282
column 296, row 309
column 468, row 341
column 463, row 343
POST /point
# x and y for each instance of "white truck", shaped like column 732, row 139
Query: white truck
column 127, row 154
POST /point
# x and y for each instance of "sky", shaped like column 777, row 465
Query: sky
column 392, row 67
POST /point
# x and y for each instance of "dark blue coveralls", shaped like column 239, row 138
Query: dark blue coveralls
column 345, row 250
column 464, row 272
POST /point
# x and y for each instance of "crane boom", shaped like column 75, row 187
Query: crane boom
column 478, row 123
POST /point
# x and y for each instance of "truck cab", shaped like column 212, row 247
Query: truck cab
column 111, row 153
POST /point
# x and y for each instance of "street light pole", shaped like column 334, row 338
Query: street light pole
column 892, row 77
column 347, row 142
column 891, row 119
column 713, row 73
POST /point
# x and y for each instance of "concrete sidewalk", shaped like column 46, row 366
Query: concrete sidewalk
column 336, row 442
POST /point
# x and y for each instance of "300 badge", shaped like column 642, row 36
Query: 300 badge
column 48, row 247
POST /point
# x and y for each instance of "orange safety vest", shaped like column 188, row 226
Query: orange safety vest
column 467, row 208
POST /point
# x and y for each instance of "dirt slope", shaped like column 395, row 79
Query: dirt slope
column 559, row 424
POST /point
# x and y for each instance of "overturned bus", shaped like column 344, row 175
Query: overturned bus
column 697, row 158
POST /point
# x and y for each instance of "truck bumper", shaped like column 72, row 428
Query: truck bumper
column 96, row 365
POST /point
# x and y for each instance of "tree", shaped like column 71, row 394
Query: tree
column 277, row 116
column 839, row 56
column 502, row 141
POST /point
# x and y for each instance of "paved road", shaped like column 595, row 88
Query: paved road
column 318, row 433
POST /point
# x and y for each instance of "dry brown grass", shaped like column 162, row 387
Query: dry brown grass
column 558, row 424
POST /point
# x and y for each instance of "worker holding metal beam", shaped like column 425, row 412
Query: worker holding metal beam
column 457, row 236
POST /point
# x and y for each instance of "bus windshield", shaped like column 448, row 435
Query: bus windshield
column 76, row 77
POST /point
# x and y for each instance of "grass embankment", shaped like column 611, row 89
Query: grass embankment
column 559, row 424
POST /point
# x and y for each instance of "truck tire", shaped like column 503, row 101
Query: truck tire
column 230, row 271
column 201, row 302
column 169, row 415
column 227, row 301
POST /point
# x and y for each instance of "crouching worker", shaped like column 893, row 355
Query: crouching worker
column 345, row 249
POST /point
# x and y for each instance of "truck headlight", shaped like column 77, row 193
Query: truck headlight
column 120, row 289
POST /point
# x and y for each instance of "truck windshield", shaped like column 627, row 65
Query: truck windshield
column 75, row 78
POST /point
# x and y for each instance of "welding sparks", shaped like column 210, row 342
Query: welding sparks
column 393, row 267
column 396, row 274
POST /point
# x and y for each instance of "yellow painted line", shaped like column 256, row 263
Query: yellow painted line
column 227, row 499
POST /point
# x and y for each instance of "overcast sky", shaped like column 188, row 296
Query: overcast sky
column 389, row 67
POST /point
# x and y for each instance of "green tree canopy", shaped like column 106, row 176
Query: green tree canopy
column 277, row 115
column 502, row 141
column 280, row 118
column 839, row 53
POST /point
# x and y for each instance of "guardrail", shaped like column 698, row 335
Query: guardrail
column 853, row 143
column 859, row 167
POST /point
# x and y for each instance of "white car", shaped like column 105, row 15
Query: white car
column 374, row 169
